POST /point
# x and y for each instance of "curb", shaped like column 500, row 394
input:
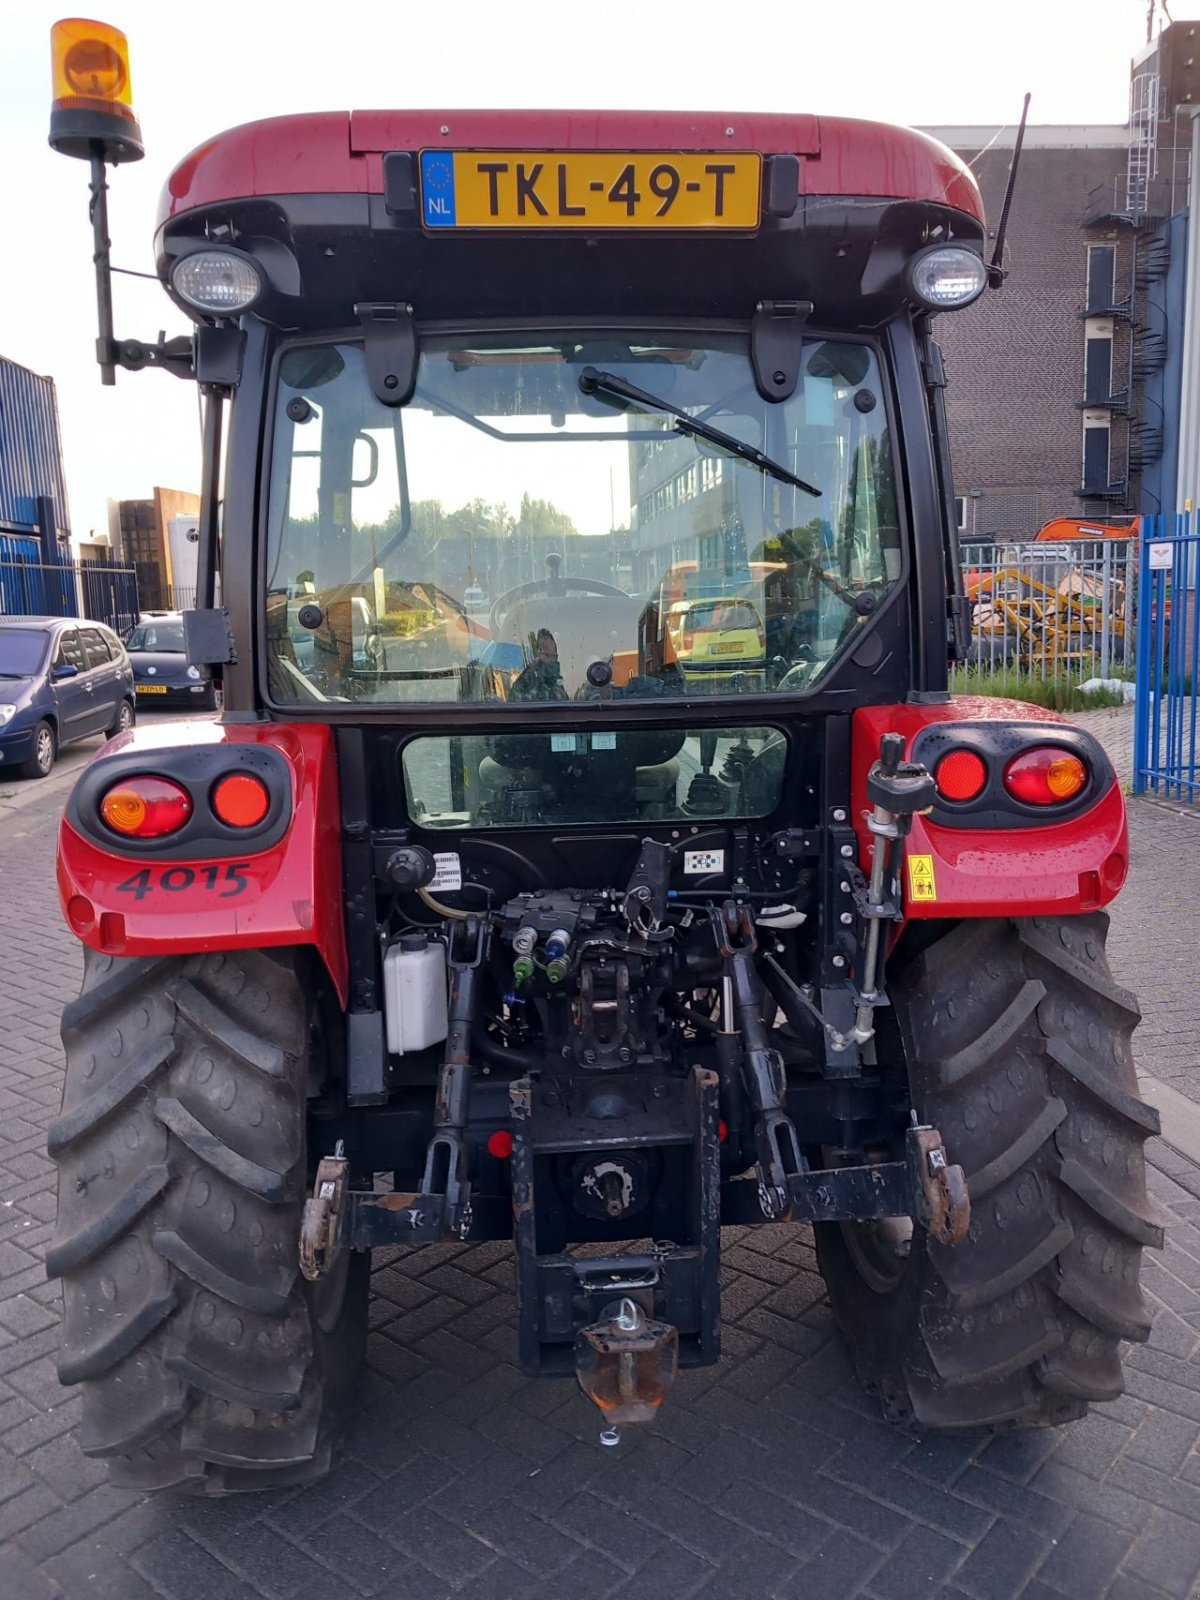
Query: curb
column 1180, row 1116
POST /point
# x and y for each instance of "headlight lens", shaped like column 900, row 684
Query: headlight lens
column 217, row 281
column 7, row 713
column 193, row 672
column 947, row 276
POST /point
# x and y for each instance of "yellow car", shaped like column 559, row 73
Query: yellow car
column 716, row 638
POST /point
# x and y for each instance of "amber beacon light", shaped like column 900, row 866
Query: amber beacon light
column 92, row 113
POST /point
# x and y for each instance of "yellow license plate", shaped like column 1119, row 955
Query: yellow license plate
column 590, row 189
column 152, row 688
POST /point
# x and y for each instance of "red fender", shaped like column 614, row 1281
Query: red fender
column 1054, row 870
column 287, row 894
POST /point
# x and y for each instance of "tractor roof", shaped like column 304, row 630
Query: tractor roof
column 338, row 152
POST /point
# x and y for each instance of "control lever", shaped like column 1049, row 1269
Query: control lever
column 706, row 797
column 898, row 790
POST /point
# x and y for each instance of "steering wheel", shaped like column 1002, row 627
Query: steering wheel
column 504, row 603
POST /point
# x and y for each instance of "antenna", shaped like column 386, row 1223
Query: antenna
column 996, row 272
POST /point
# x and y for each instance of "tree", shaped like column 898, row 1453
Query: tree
column 541, row 519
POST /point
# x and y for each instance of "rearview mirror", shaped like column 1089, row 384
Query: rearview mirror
column 66, row 670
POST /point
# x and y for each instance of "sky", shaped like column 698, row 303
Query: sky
column 197, row 70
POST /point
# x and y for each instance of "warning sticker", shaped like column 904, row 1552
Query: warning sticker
column 448, row 871
column 922, row 885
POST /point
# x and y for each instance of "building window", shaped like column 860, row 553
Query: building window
column 960, row 511
column 1102, row 263
column 1095, row 458
column 1097, row 371
column 710, row 472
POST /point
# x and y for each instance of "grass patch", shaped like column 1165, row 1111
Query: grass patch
column 1059, row 693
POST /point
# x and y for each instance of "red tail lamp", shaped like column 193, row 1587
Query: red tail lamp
column 1046, row 776
column 500, row 1144
column 146, row 808
column 241, row 801
column 960, row 776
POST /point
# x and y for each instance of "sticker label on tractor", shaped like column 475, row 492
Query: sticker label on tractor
column 447, row 873
column 922, row 885
column 703, row 861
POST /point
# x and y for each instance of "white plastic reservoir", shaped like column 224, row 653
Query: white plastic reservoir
column 414, row 994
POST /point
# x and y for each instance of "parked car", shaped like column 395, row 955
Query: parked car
column 161, row 673
column 60, row 680
column 713, row 638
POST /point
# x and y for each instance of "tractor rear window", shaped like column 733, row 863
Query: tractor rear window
column 545, row 521
column 611, row 775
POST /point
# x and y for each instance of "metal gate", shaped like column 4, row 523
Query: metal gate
column 1168, row 658
column 1048, row 611
column 69, row 589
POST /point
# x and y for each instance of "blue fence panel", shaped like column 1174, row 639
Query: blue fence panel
column 78, row 589
column 110, row 594
column 34, row 589
column 1168, row 660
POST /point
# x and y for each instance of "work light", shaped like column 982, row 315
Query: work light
column 223, row 283
column 947, row 276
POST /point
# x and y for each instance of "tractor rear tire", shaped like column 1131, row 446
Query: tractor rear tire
column 206, row 1362
column 1017, row 1042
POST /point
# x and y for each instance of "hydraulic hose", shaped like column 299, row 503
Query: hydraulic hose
column 526, row 1060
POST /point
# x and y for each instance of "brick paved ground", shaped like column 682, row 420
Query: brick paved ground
column 1153, row 941
column 769, row 1475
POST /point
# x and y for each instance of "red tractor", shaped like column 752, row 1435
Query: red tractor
column 449, row 931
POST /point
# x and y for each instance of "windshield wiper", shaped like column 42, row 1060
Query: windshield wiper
column 593, row 382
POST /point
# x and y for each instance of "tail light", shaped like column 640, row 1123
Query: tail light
column 240, row 801
column 145, row 808
column 961, row 775
column 762, row 640
column 1046, row 776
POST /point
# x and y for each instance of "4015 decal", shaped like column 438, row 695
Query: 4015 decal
column 178, row 879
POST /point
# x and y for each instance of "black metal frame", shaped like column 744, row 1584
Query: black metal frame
column 875, row 670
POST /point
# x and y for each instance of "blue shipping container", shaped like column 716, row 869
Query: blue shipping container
column 33, row 491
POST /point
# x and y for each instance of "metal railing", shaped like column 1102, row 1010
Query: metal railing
column 69, row 589
column 1042, row 611
column 1168, row 659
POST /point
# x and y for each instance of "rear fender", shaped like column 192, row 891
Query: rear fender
column 1024, row 865
column 280, row 884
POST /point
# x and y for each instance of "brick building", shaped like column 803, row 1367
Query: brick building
column 1038, row 373
column 1054, row 381
column 141, row 533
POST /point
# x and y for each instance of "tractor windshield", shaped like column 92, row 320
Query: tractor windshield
column 517, row 533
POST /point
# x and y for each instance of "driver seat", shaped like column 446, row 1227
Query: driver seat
column 586, row 628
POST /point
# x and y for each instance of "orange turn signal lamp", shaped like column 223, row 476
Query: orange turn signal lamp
column 146, row 807
column 92, row 111
column 1045, row 776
